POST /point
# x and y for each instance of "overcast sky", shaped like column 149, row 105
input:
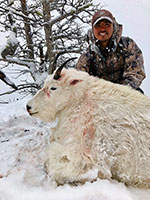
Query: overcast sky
column 135, row 18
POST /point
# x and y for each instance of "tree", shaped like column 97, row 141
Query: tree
column 41, row 32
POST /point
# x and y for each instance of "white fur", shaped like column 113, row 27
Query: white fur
column 102, row 126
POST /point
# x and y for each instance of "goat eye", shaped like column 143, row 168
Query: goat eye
column 53, row 88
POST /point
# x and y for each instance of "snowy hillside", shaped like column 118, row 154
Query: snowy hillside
column 23, row 141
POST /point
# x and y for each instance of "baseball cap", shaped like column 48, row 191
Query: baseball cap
column 102, row 14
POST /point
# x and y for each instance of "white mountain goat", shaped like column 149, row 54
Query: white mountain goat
column 103, row 129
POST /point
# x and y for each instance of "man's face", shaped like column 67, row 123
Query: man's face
column 103, row 30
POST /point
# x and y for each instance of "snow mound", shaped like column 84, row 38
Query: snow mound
column 23, row 141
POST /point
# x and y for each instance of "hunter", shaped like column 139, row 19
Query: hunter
column 110, row 55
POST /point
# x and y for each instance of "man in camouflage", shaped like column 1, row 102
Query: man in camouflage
column 110, row 55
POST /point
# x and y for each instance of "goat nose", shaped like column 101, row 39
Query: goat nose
column 28, row 108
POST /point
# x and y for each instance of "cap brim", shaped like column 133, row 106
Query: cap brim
column 101, row 18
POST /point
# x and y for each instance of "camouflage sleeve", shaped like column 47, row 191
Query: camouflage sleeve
column 83, row 63
column 134, row 72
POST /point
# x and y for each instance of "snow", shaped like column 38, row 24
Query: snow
column 23, row 141
column 7, row 38
column 12, row 38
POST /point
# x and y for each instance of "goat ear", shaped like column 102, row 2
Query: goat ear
column 74, row 81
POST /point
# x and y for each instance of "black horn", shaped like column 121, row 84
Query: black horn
column 58, row 71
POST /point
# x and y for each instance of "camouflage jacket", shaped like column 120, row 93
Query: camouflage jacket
column 121, row 62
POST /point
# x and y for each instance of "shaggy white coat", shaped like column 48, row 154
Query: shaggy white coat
column 102, row 126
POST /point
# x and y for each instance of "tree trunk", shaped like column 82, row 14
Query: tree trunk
column 48, row 34
column 27, row 29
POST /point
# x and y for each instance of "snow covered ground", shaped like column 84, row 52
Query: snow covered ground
column 23, row 141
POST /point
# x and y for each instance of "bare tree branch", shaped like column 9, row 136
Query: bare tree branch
column 6, row 80
column 70, row 13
